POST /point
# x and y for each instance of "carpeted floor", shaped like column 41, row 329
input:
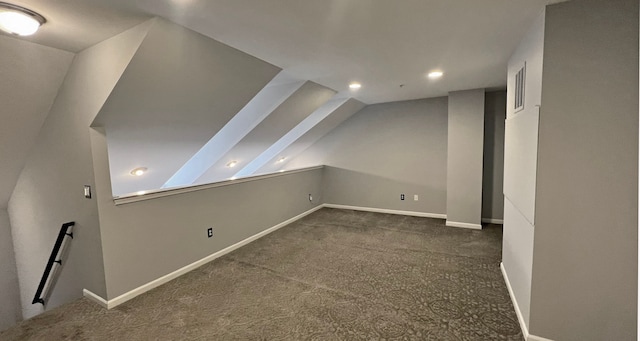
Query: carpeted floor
column 333, row 275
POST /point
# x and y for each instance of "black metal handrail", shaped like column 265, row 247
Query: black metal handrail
column 38, row 298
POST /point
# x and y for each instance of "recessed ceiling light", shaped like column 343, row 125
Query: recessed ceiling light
column 282, row 159
column 141, row 192
column 139, row 171
column 435, row 74
column 355, row 86
column 232, row 164
column 18, row 20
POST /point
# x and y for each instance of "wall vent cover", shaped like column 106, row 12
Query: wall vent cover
column 519, row 93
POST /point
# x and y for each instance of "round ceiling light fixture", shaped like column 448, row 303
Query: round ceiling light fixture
column 435, row 74
column 355, row 86
column 139, row 171
column 232, row 164
column 18, row 20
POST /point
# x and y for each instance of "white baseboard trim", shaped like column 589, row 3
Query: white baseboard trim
column 95, row 298
column 523, row 326
column 388, row 211
column 175, row 274
column 416, row 214
column 493, row 221
column 464, row 225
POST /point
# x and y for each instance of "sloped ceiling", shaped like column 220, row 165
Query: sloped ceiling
column 264, row 103
column 30, row 77
column 276, row 149
column 338, row 114
column 178, row 91
column 289, row 114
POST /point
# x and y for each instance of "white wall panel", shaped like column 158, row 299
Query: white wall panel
column 520, row 160
column 517, row 256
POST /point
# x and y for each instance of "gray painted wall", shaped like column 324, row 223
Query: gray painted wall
column 464, row 156
column 10, row 310
column 49, row 191
column 31, row 75
column 385, row 150
column 145, row 240
column 495, row 110
column 585, row 248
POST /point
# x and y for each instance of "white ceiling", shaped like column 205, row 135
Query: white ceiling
column 74, row 25
column 382, row 44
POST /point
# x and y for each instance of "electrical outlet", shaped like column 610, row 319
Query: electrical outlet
column 310, row 197
column 415, row 197
column 401, row 196
column 210, row 232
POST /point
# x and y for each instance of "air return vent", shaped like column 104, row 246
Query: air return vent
column 519, row 93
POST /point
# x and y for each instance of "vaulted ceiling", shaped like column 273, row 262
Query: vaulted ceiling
column 299, row 57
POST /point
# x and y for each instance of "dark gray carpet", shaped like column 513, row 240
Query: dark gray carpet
column 334, row 275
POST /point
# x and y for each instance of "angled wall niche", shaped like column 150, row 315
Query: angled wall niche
column 178, row 91
column 331, row 115
column 264, row 103
column 187, row 105
column 300, row 105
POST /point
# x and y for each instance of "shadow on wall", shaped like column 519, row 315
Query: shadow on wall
column 10, row 308
column 493, row 162
column 356, row 188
